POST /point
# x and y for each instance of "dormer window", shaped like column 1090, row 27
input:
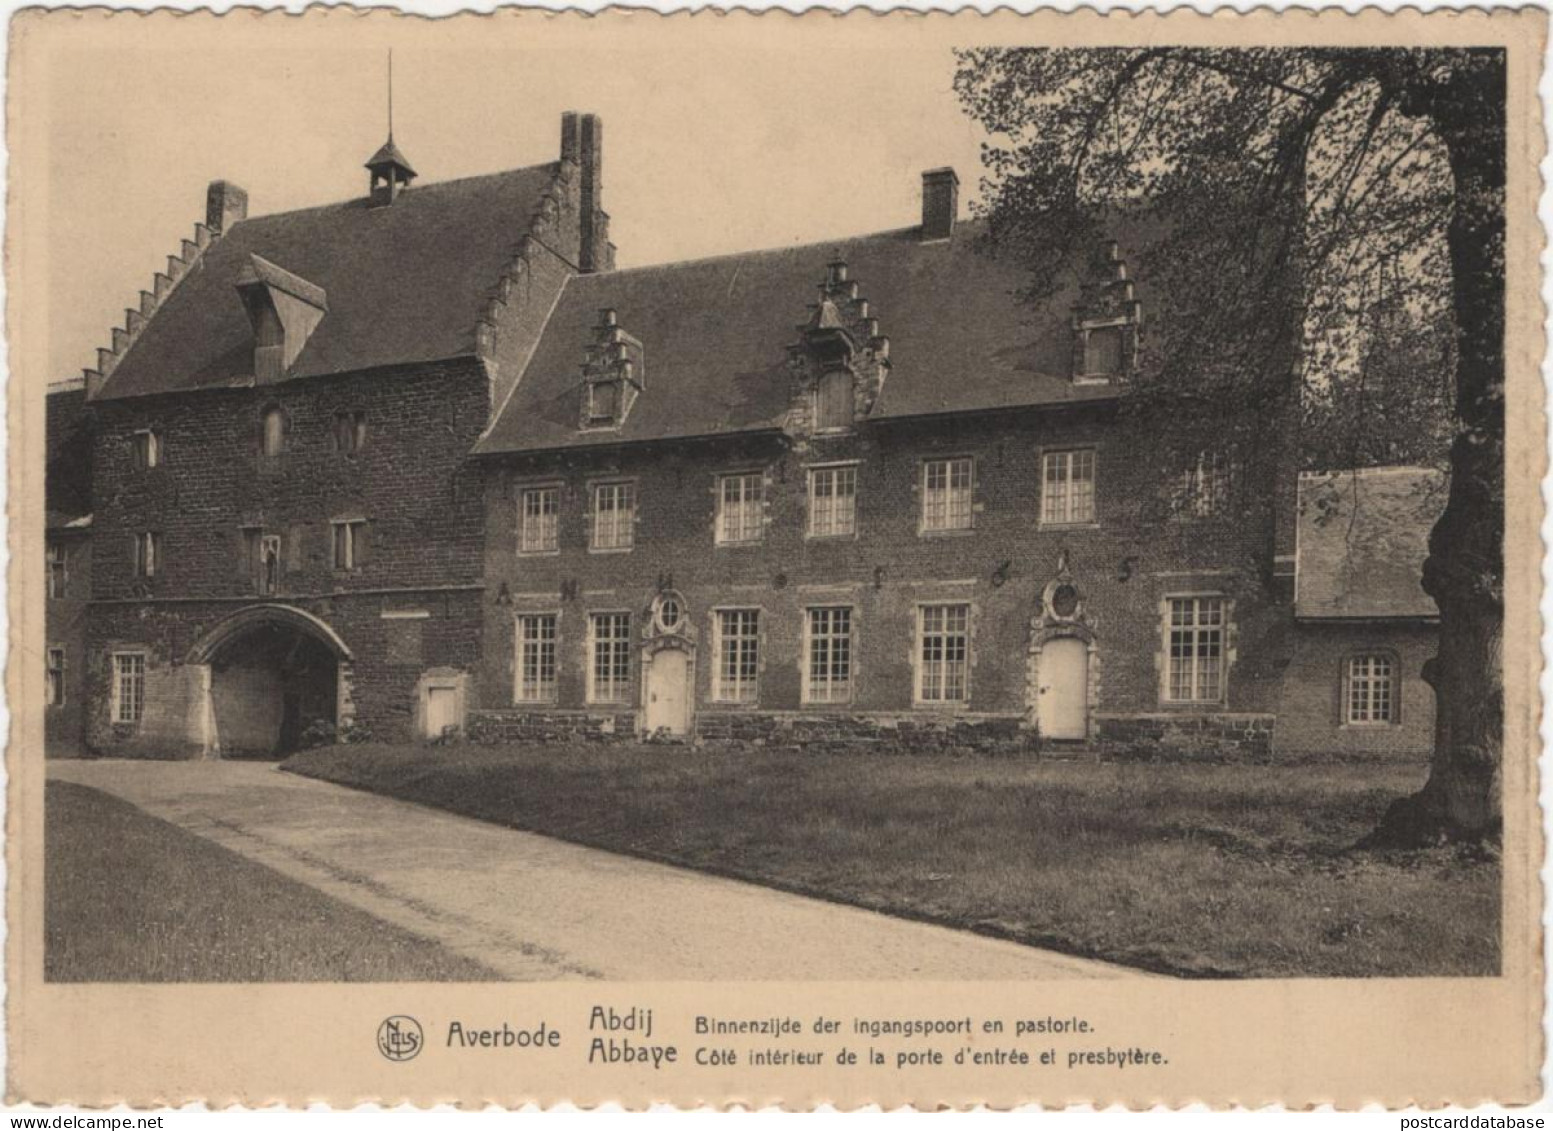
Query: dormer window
column 283, row 310
column 613, row 372
column 833, row 402
column 272, row 440
column 1103, row 352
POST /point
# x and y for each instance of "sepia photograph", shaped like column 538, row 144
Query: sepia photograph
column 1034, row 516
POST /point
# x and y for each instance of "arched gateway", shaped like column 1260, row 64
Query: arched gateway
column 273, row 672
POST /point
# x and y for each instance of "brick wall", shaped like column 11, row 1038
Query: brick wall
column 65, row 623
column 411, row 482
column 1311, row 717
column 1125, row 565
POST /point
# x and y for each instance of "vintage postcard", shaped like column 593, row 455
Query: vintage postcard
column 937, row 560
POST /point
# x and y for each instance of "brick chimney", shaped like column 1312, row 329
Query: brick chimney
column 940, row 203
column 582, row 143
column 225, row 204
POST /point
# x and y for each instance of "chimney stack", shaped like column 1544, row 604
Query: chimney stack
column 582, row 143
column 225, row 205
column 940, row 203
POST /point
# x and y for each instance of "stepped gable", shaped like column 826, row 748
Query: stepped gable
column 406, row 284
column 718, row 332
column 1363, row 538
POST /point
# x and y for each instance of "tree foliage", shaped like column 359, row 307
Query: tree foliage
column 1323, row 238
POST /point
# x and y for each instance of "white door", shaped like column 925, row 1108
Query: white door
column 667, row 689
column 1064, row 688
column 441, row 710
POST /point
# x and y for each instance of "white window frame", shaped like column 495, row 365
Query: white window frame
column 128, row 712
column 1372, row 681
column 524, row 692
column 838, row 472
column 1197, row 629
column 622, row 531
column 950, row 508
column 830, row 691
column 920, row 689
column 543, row 537
column 619, row 689
column 749, row 507
column 1065, row 512
column 739, row 689
column 56, row 555
column 54, row 668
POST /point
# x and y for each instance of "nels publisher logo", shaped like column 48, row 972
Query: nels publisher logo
column 400, row 1038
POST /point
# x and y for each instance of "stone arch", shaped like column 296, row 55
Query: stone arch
column 1043, row 631
column 273, row 673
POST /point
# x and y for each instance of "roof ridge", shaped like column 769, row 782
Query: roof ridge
column 811, row 245
column 419, row 191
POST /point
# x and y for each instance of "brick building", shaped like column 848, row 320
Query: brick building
column 863, row 492
column 68, row 577
column 287, row 531
column 424, row 461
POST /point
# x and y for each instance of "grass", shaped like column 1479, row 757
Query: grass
column 129, row 898
column 1224, row 870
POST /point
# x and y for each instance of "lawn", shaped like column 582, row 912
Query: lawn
column 129, row 898
column 1222, row 870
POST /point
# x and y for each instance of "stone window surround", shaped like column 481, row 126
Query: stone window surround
column 522, row 486
column 589, row 657
column 57, row 553
column 1084, row 328
column 1344, row 676
column 518, row 700
column 592, row 486
column 350, row 525
column 116, row 689
column 1226, row 653
column 857, row 487
column 1041, row 452
column 717, row 505
column 147, row 448
column 715, row 614
column 971, row 615
column 50, row 653
column 805, row 699
column 925, row 531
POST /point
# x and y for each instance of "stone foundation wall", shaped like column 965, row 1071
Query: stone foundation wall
column 495, row 727
column 1220, row 737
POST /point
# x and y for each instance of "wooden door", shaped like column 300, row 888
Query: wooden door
column 1064, row 689
column 667, row 693
column 441, row 710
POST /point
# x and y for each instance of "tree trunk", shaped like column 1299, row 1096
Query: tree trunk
column 1465, row 569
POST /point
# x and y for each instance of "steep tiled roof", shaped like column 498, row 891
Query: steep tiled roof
column 1363, row 538
column 714, row 334
column 405, row 283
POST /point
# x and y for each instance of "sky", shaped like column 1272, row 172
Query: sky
column 710, row 146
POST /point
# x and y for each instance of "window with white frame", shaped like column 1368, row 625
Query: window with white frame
column 59, row 571
column 536, row 657
column 1371, row 698
column 946, row 494
column 1196, row 650
column 1068, row 487
column 832, row 501
column 129, row 687
column 610, row 680
column 147, row 447
column 56, row 677
column 740, row 508
column 738, row 656
column 148, row 554
column 943, row 654
column 614, row 516
column 829, row 668
column 539, row 510
column 1204, row 487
